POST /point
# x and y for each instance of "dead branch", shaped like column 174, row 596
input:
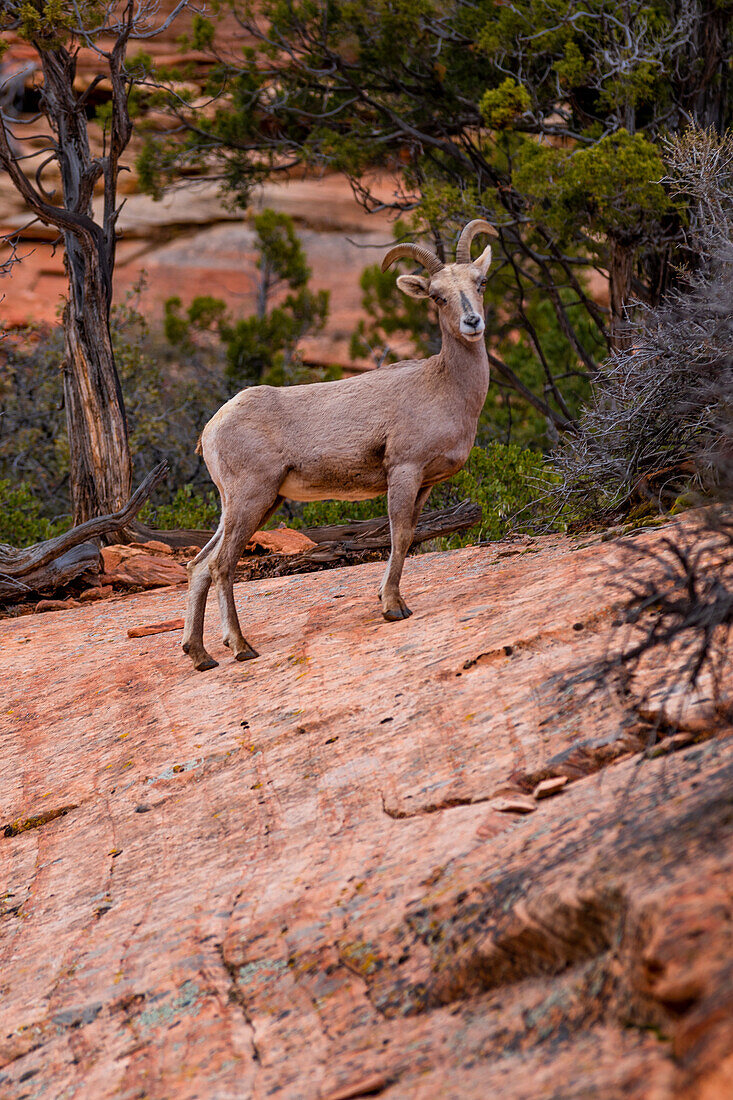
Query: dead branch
column 373, row 534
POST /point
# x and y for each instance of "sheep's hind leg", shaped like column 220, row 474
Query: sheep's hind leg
column 422, row 496
column 240, row 524
column 199, row 581
column 405, row 499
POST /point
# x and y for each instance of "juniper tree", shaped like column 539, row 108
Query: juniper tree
column 99, row 454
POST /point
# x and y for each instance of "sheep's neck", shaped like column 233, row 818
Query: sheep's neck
column 465, row 368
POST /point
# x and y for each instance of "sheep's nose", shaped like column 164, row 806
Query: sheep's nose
column 472, row 319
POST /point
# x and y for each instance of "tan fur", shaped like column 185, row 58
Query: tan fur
column 398, row 431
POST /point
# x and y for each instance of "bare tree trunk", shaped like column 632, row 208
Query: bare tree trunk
column 100, row 469
column 620, row 274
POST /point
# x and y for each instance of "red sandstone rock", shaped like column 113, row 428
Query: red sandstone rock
column 549, row 787
column 514, row 804
column 112, row 556
column 54, row 605
column 155, row 628
column 286, row 879
column 686, row 709
column 100, row 592
column 153, row 547
column 282, row 541
column 135, row 568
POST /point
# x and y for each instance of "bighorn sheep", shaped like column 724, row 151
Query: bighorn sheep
column 398, row 430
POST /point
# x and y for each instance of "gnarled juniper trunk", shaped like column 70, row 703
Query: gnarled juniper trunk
column 99, row 454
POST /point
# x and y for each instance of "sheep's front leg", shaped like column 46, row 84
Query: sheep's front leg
column 404, row 501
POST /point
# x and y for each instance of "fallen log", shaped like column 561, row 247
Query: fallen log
column 373, row 534
column 178, row 539
column 53, row 563
column 60, row 571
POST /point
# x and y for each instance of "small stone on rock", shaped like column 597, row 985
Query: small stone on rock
column 154, row 547
column 155, row 628
column 548, row 787
column 99, row 593
column 282, row 541
column 514, row 804
column 144, row 571
column 54, row 605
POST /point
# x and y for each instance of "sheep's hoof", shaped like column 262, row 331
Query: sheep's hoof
column 201, row 661
column 396, row 613
column 247, row 654
column 241, row 649
column 203, row 664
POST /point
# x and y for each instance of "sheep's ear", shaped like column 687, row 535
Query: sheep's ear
column 414, row 285
column 483, row 263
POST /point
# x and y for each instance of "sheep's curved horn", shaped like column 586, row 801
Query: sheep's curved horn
column 463, row 248
column 424, row 256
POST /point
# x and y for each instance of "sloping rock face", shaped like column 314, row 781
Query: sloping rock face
column 293, row 877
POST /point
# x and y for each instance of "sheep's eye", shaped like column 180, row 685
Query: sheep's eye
column 482, row 285
column 438, row 300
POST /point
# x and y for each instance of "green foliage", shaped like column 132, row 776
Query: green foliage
column 612, row 187
column 281, row 256
column 265, row 349
column 658, row 427
column 168, row 401
column 188, row 509
column 507, row 481
column 103, row 114
column 202, row 32
column 323, row 513
column 22, row 522
column 166, row 408
column 48, row 22
column 202, row 315
column 503, row 106
column 150, row 173
column 33, row 445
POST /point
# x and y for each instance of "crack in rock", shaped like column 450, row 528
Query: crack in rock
column 237, row 997
column 431, row 807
